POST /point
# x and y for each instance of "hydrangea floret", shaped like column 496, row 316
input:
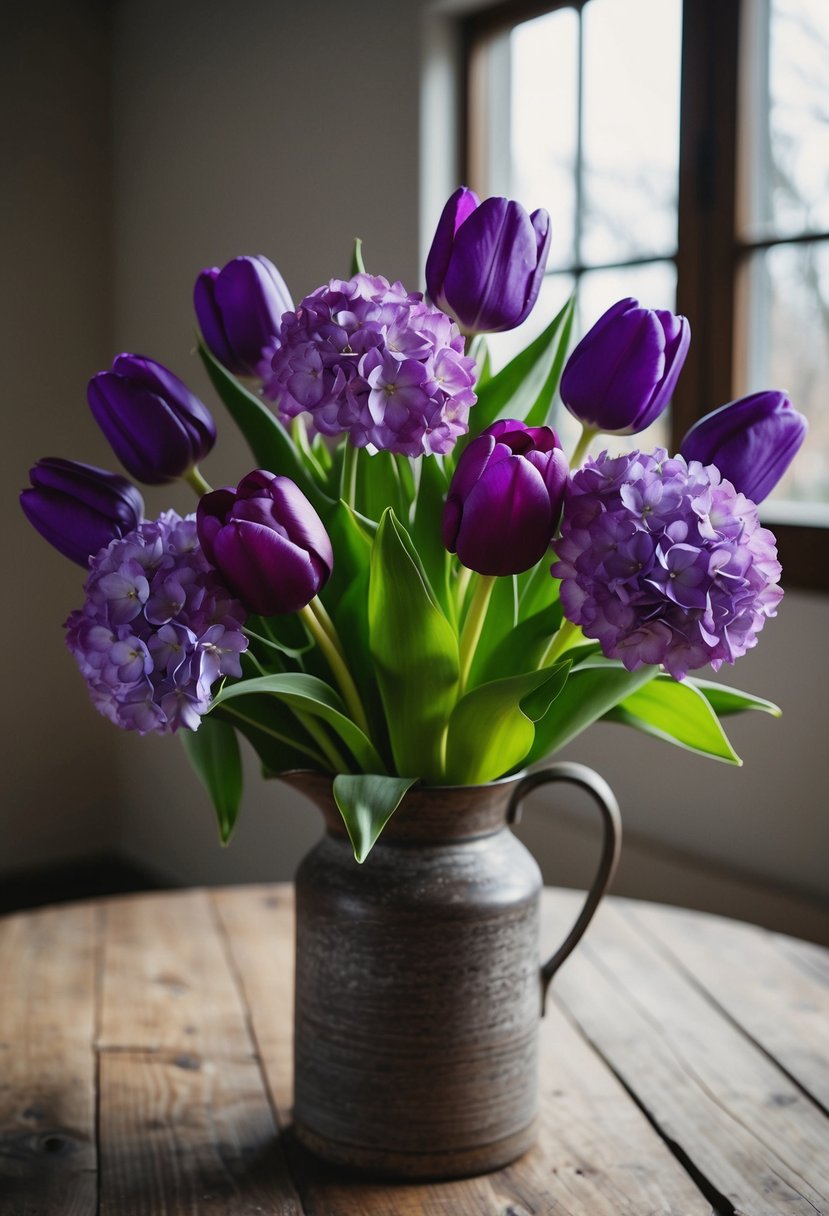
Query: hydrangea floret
column 663, row 562
column 367, row 358
column 158, row 628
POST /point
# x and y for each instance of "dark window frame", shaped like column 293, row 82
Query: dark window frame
column 710, row 251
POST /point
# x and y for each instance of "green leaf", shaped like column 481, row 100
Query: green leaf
column 213, row 751
column 541, row 411
column 724, row 700
column 313, row 696
column 519, row 387
column 367, row 802
column 592, row 689
column 479, row 350
column 491, row 729
column 426, row 531
column 523, row 647
column 267, row 438
column 678, row 713
column 415, row 652
column 537, row 588
column 274, row 733
column 358, row 266
column 352, row 552
column 379, row 485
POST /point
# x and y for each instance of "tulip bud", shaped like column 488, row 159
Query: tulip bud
column 79, row 509
column 157, row 428
column 239, row 310
column 267, row 541
column 621, row 375
column 505, row 498
column 752, row 441
column 487, row 261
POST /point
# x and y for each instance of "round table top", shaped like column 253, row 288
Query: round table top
column 145, row 1067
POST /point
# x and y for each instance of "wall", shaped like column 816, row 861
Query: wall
column 287, row 130
column 60, row 773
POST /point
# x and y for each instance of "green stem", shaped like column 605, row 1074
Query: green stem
column 275, row 734
column 317, row 732
column 564, row 636
column 329, row 644
column 473, row 625
column 461, row 587
column 588, row 433
column 348, row 481
column 194, row 478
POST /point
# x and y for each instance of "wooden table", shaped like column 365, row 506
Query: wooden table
column 145, row 1067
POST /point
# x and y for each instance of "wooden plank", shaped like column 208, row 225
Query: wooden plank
column 259, row 923
column 48, row 1161
column 179, row 1136
column 167, row 982
column 590, row 1132
column 749, row 1133
column 741, row 968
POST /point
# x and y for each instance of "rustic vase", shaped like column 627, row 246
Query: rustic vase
column 418, row 982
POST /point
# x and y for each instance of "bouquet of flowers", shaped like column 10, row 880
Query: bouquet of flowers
column 416, row 583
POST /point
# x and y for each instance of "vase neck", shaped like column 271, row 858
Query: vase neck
column 427, row 814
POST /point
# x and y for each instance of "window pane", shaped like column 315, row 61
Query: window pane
column 786, row 118
column 785, row 293
column 544, row 125
column 631, row 128
column 554, row 293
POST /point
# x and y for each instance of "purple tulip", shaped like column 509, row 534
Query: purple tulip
column 505, row 498
column 487, row 261
column 157, row 428
column 267, row 541
column 752, row 441
column 239, row 310
column 621, row 375
column 79, row 509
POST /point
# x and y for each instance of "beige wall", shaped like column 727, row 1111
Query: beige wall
column 288, row 129
column 59, row 770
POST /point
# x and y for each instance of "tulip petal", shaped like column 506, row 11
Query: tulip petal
column 457, row 210
column 142, row 429
column 507, row 519
column 191, row 413
column 250, row 296
column 293, row 511
column 210, row 320
column 268, row 573
column 494, row 260
column 610, row 376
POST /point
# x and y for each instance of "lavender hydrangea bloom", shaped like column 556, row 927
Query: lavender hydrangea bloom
column 157, row 630
column 366, row 357
column 663, row 562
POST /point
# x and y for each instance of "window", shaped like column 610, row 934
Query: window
column 712, row 198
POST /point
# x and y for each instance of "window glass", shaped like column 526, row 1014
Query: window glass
column 544, row 123
column 631, row 75
column 786, row 118
column 786, row 299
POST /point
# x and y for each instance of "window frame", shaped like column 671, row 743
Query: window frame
column 710, row 250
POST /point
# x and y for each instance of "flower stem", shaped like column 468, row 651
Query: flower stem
column 473, row 625
column 564, row 636
column 461, row 587
column 348, row 481
column 275, row 734
column 194, row 478
column 317, row 732
column 588, row 433
column 321, row 628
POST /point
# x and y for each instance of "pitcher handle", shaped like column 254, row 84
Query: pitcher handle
column 602, row 794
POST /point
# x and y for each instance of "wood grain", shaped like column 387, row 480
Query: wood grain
column 48, row 1158
column 742, row 970
column 751, row 1137
column 259, row 923
column 180, row 1136
column 661, row 1094
column 167, row 983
